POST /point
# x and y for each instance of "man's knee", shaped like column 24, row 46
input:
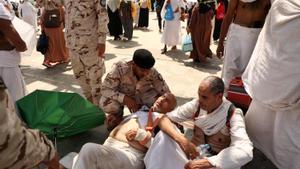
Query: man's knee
column 89, row 149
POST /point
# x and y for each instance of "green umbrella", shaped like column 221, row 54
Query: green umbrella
column 59, row 114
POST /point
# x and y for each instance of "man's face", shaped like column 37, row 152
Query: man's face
column 140, row 72
column 164, row 103
column 207, row 100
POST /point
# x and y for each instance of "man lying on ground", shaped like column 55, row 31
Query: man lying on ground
column 117, row 151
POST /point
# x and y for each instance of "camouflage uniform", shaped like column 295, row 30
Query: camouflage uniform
column 86, row 26
column 121, row 81
column 20, row 147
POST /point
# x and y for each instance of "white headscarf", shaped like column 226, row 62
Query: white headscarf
column 213, row 122
column 113, row 5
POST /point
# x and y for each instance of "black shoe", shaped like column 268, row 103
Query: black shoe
column 117, row 38
column 164, row 50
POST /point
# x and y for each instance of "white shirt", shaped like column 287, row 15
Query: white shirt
column 240, row 150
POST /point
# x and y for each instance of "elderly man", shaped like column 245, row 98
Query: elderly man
column 117, row 151
column 21, row 147
column 245, row 18
column 11, row 45
column 272, row 79
column 132, row 84
column 217, row 124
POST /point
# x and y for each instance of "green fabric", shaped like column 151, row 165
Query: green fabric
column 67, row 113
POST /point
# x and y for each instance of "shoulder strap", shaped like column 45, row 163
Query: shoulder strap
column 196, row 114
column 230, row 113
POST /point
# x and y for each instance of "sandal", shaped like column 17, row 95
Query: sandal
column 47, row 64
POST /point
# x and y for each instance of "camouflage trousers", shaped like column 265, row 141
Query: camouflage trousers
column 88, row 69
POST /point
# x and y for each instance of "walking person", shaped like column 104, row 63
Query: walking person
column 171, row 34
column 145, row 5
column 52, row 23
column 200, row 28
column 158, row 7
column 126, row 19
column 28, row 13
column 114, row 23
column 11, row 45
column 243, row 22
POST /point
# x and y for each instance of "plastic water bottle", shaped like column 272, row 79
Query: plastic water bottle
column 204, row 150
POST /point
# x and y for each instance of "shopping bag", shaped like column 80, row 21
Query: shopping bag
column 42, row 44
column 220, row 11
column 169, row 15
column 187, row 45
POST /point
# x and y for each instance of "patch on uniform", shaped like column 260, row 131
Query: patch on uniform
column 103, row 3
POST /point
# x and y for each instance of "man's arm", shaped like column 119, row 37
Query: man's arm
column 12, row 35
column 168, row 127
column 102, row 25
column 185, row 112
column 240, row 150
column 225, row 25
column 111, row 83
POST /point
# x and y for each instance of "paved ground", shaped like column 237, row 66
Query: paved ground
column 182, row 75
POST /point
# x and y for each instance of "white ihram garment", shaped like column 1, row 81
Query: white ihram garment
column 28, row 13
column 9, row 66
column 238, row 49
column 171, row 34
column 272, row 79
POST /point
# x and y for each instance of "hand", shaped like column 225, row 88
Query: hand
column 53, row 163
column 220, row 50
column 189, row 149
column 176, row 10
column 130, row 135
column 131, row 104
column 101, row 50
column 188, row 30
column 198, row 164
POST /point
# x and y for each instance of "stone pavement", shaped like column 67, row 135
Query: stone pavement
column 182, row 75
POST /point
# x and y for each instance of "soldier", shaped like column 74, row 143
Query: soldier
column 132, row 84
column 86, row 28
column 21, row 147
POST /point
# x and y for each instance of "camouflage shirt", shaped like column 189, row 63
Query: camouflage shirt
column 20, row 147
column 86, row 23
column 121, row 81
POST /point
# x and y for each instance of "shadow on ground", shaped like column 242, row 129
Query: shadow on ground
column 120, row 44
column 212, row 66
column 74, row 143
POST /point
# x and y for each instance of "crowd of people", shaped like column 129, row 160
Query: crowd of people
column 262, row 46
